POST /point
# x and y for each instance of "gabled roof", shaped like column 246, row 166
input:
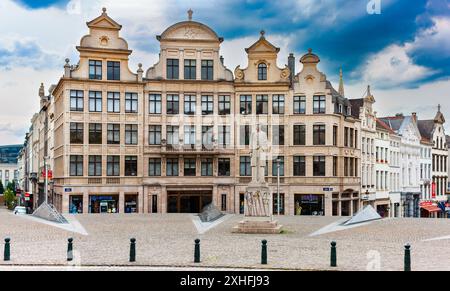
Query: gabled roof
column 382, row 125
column 394, row 122
column 262, row 41
column 357, row 104
column 426, row 128
column 105, row 22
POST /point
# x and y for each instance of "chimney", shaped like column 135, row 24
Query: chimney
column 291, row 66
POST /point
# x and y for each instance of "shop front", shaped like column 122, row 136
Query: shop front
column 188, row 202
column 131, row 203
column 104, row 204
column 309, row 205
column 76, row 204
column 429, row 210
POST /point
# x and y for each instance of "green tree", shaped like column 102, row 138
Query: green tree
column 10, row 198
column 2, row 189
column 11, row 186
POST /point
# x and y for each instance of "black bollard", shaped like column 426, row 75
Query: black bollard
column 7, row 253
column 408, row 258
column 264, row 253
column 70, row 250
column 133, row 250
column 333, row 261
column 197, row 251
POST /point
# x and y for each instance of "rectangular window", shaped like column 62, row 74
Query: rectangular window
column 262, row 104
column 190, row 102
column 154, row 135
column 299, row 105
column 154, row 104
column 224, row 105
column 319, row 166
column 131, row 103
column 278, row 134
column 95, row 166
column 76, row 133
column 189, row 167
column 335, row 166
column 224, row 136
column 113, row 102
column 76, row 100
column 346, row 136
column 224, row 202
column 172, row 167
column 278, row 104
column 131, row 134
column 335, row 135
column 173, row 104
column 207, row 105
column 113, row 71
column 173, row 135
column 207, row 167
column 95, row 101
column 95, row 70
column 95, row 133
column 207, row 136
column 245, row 132
column 173, row 69
column 246, row 104
column 207, row 70
column 299, row 134
column 275, row 166
column 224, row 167
column 299, row 166
column 113, row 166
column 245, row 168
column 113, row 133
column 154, row 167
column 190, row 69
column 130, row 166
column 76, row 166
column 319, row 135
column 319, row 104
column 189, row 135
column 352, row 136
column 154, row 203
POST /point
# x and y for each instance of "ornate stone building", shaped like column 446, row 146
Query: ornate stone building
column 176, row 138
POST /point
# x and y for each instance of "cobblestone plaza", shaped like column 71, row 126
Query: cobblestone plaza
column 167, row 240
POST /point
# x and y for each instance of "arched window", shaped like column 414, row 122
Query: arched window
column 262, row 72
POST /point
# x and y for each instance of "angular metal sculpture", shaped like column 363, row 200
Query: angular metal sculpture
column 48, row 212
column 210, row 213
column 365, row 215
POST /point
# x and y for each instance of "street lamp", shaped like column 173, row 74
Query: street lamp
column 278, row 186
column 46, row 179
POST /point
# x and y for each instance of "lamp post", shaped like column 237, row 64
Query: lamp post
column 46, row 179
column 278, row 186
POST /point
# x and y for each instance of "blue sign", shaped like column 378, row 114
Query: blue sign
column 67, row 190
column 328, row 189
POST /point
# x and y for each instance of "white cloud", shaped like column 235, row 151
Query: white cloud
column 395, row 66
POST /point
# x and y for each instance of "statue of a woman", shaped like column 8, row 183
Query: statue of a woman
column 259, row 147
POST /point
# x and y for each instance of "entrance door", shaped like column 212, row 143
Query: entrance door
column 187, row 202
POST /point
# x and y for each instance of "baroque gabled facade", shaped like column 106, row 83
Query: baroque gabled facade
column 176, row 138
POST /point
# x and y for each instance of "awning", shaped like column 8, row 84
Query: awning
column 431, row 208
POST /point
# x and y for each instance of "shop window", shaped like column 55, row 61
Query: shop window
column 131, row 204
column 76, row 205
column 275, row 203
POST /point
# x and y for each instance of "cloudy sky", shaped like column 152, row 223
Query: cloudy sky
column 403, row 52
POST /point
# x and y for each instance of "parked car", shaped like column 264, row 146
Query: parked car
column 20, row 210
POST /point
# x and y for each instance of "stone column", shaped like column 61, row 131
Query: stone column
column 121, row 202
column 141, row 199
column 65, row 203
column 163, row 200
column 145, row 208
column 85, row 202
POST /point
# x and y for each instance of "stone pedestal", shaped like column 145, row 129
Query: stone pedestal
column 258, row 212
column 258, row 226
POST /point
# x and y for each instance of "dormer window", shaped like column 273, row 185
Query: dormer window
column 95, row 70
column 173, row 69
column 262, row 72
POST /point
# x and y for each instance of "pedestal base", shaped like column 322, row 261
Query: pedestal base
column 258, row 227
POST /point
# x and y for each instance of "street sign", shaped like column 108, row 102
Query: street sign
column 67, row 190
column 328, row 189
